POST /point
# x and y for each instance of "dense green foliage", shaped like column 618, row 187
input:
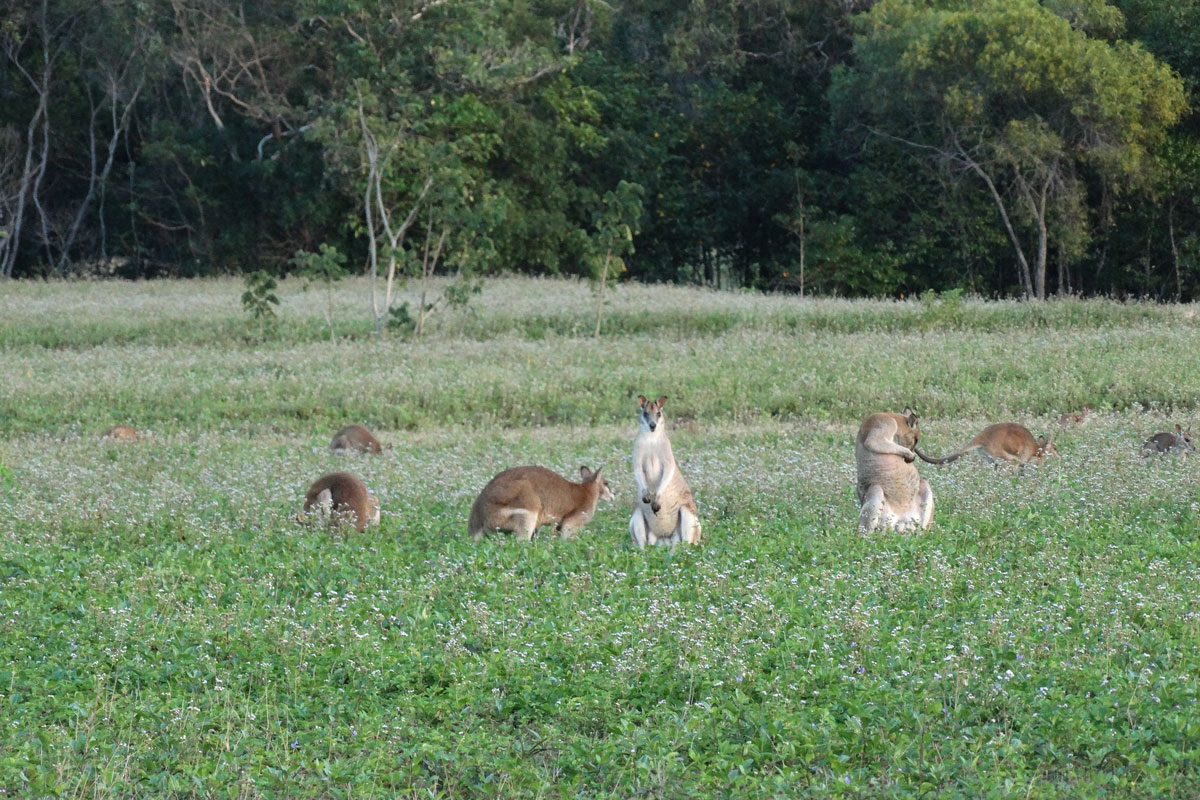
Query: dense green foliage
column 851, row 148
column 167, row 630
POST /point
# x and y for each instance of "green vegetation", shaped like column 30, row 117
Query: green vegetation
column 167, row 630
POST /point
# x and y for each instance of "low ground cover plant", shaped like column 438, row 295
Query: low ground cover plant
column 166, row 629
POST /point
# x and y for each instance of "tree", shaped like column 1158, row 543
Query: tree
column 1010, row 92
column 327, row 266
column 412, row 126
column 615, row 224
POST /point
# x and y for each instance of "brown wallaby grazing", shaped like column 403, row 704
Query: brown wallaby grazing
column 1180, row 440
column 355, row 439
column 522, row 499
column 1005, row 441
column 123, row 432
column 1067, row 420
column 665, row 512
column 341, row 497
column 892, row 493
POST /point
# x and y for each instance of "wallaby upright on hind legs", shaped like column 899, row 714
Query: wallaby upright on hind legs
column 892, row 493
column 665, row 511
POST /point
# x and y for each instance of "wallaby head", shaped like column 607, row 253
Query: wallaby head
column 589, row 477
column 1045, row 447
column 910, row 417
column 1183, row 439
column 651, row 416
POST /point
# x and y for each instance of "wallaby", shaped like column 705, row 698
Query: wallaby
column 341, row 497
column 355, row 439
column 123, row 432
column 1005, row 441
column 1067, row 420
column 522, row 499
column 1180, row 440
column 892, row 493
column 665, row 512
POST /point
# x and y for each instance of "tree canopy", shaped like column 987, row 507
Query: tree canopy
column 839, row 146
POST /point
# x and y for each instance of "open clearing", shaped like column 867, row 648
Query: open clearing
column 167, row 630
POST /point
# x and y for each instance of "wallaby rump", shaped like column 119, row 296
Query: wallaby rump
column 665, row 512
column 124, row 432
column 891, row 491
column 355, row 439
column 522, row 499
column 341, row 497
column 1077, row 418
column 1007, row 442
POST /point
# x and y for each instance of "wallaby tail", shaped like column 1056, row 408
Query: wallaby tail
column 946, row 459
column 475, row 521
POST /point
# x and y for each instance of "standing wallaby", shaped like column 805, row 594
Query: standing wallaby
column 341, row 497
column 665, row 512
column 123, row 432
column 355, row 439
column 522, row 499
column 1180, row 440
column 892, row 493
column 1007, row 442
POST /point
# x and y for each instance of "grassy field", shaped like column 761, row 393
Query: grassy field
column 167, row 630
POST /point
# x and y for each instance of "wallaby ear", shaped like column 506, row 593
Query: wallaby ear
column 1042, row 440
column 1178, row 428
column 585, row 473
column 662, row 401
column 642, row 400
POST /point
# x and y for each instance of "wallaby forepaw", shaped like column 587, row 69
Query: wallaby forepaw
column 646, row 498
column 910, row 457
column 655, row 506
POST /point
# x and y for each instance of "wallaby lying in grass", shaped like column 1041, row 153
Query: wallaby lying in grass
column 355, row 439
column 1067, row 420
column 892, row 493
column 341, row 497
column 665, row 512
column 522, row 499
column 1180, row 440
column 123, row 432
column 1005, row 441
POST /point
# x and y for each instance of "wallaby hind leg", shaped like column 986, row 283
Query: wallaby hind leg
column 637, row 529
column 925, row 498
column 872, row 509
column 523, row 523
column 689, row 527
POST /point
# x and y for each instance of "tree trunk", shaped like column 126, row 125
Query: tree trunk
column 600, row 302
column 802, row 254
column 1026, row 280
column 118, row 128
column 1043, row 243
column 1174, row 252
column 1037, row 207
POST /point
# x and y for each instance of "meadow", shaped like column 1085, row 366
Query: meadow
column 167, row 630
